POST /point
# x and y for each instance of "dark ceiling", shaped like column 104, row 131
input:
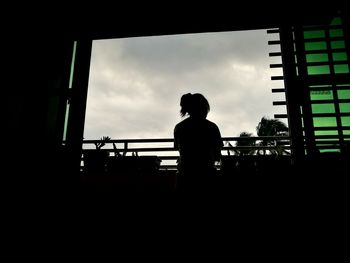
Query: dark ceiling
column 96, row 21
column 114, row 21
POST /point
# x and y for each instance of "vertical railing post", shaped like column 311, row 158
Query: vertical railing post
column 76, row 117
column 292, row 93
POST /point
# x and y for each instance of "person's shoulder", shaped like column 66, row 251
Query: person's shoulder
column 181, row 123
column 212, row 124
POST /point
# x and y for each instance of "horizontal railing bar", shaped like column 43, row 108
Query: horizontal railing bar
column 275, row 54
column 168, row 157
column 163, row 158
column 167, row 166
column 224, row 152
column 277, row 78
column 274, row 42
column 279, row 103
column 257, row 138
column 173, row 149
column 132, row 140
column 276, row 65
column 272, row 31
column 253, row 147
column 278, row 90
column 280, row 116
column 160, row 149
column 172, row 140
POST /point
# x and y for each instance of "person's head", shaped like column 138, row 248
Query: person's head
column 196, row 105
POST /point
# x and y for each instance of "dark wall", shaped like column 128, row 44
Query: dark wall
column 37, row 74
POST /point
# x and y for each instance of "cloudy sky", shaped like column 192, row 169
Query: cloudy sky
column 136, row 83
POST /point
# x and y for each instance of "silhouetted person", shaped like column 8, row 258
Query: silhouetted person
column 199, row 143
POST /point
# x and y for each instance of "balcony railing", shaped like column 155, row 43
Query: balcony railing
column 164, row 148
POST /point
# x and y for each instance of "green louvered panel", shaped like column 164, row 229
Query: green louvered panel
column 328, row 84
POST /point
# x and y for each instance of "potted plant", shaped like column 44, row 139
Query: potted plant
column 121, row 164
column 95, row 160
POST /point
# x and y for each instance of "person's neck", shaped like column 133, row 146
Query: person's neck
column 197, row 117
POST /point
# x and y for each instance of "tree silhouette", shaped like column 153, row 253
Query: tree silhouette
column 245, row 142
column 271, row 127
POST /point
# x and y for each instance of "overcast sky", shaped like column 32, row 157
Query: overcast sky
column 136, row 83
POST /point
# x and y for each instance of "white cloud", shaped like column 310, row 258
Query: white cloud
column 136, row 83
